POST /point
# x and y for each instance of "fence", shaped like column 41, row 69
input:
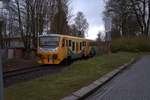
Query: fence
column 103, row 47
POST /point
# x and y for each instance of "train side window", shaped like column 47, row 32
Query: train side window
column 63, row 43
column 77, row 46
column 73, row 46
column 90, row 43
column 85, row 44
column 70, row 43
column 93, row 43
column 67, row 43
column 80, row 45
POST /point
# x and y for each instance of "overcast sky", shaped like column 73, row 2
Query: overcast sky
column 0, row 4
column 92, row 10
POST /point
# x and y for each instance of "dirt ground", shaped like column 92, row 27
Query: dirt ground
column 15, row 64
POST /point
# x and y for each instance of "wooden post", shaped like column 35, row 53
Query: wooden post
column 1, row 77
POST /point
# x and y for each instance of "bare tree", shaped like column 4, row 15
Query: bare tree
column 141, row 9
column 73, row 30
column 81, row 24
column 3, row 20
column 99, row 38
column 121, row 14
column 124, row 13
column 28, row 18
column 59, row 23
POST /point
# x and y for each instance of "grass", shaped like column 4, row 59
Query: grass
column 74, row 77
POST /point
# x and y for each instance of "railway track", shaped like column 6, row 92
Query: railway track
column 22, row 71
column 33, row 69
column 28, row 74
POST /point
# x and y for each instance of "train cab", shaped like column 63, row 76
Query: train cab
column 54, row 48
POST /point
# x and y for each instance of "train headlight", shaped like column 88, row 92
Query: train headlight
column 55, row 50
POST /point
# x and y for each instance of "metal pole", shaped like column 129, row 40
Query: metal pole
column 1, row 77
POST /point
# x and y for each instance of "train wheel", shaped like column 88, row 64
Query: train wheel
column 85, row 57
column 68, row 61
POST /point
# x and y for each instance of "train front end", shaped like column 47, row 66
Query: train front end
column 48, row 49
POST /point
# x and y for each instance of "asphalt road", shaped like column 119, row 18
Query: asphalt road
column 131, row 84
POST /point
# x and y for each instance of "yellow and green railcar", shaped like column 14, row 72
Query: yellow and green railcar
column 55, row 48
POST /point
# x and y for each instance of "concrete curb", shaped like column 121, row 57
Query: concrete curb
column 87, row 90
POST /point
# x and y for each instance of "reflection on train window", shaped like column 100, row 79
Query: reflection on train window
column 63, row 43
column 84, row 43
column 69, row 43
column 80, row 45
column 77, row 46
column 73, row 46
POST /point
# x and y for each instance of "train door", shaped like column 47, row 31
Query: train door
column 85, row 49
column 63, row 51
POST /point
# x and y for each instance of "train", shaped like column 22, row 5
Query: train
column 56, row 48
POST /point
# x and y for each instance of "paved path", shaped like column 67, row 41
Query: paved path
column 132, row 84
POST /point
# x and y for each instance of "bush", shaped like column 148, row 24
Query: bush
column 131, row 44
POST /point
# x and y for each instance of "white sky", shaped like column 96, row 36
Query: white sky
column 0, row 4
column 92, row 10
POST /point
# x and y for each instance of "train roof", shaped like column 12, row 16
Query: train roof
column 63, row 36
column 49, row 35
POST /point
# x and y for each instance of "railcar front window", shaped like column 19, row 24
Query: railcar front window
column 49, row 42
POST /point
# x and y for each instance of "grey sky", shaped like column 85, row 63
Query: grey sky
column 92, row 10
column 0, row 4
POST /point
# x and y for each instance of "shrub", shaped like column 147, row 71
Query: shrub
column 131, row 44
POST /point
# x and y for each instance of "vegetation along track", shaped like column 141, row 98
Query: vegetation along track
column 27, row 74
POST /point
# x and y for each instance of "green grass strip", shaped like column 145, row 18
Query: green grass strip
column 74, row 77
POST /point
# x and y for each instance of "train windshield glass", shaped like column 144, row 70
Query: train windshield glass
column 49, row 42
